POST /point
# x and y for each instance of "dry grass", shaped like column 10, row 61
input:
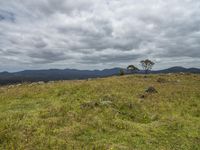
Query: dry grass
column 106, row 113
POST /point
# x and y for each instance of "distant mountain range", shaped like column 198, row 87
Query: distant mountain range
column 71, row 74
column 178, row 70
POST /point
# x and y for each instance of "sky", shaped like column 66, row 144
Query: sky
column 98, row 34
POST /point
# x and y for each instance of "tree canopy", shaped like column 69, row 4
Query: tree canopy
column 147, row 65
column 132, row 68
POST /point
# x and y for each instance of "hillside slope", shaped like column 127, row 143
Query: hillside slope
column 107, row 113
column 74, row 74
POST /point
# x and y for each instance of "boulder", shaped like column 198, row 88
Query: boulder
column 151, row 89
column 105, row 103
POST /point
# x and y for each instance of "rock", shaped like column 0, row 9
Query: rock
column 32, row 84
column 151, row 90
column 89, row 79
column 51, row 82
column 18, row 85
column 11, row 86
column 40, row 82
column 105, row 103
column 148, row 91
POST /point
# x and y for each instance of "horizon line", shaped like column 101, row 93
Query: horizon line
column 91, row 69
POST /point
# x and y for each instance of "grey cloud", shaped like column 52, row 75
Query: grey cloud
column 39, row 42
column 103, row 59
column 89, row 28
column 90, row 33
column 6, row 16
column 47, row 56
column 9, row 52
column 40, row 45
column 109, row 56
column 50, row 7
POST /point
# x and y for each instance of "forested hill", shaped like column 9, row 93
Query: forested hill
column 71, row 74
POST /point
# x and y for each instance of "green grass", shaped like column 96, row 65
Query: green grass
column 105, row 113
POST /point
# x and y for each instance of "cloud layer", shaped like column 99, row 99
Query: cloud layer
column 88, row 34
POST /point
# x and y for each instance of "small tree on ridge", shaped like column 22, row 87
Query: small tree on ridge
column 147, row 65
column 132, row 68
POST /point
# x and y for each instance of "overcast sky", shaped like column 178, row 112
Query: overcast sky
column 98, row 34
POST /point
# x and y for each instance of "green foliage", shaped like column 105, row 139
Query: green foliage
column 105, row 113
column 121, row 72
column 132, row 68
column 147, row 65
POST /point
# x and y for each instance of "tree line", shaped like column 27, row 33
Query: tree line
column 146, row 64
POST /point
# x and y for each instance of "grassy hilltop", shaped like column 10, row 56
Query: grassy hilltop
column 107, row 113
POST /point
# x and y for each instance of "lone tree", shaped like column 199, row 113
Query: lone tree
column 147, row 65
column 132, row 68
column 121, row 72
